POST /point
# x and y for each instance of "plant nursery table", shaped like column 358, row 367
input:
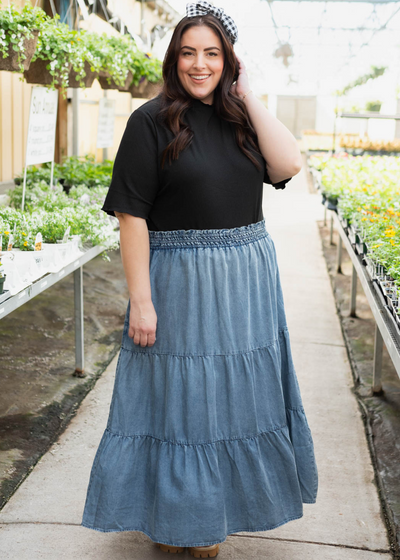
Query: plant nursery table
column 383, row 327
column 76, row 267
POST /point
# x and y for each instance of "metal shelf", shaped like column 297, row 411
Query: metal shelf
column 379, row 311
column 49, row 279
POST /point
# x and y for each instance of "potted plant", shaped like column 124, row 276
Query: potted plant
column 19, row 29
column 373, row 106
column 115, row 55
column 147, row 79
column 55, row 54
column 86, row 63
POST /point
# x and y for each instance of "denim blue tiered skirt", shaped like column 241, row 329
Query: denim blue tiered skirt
column 206, row 435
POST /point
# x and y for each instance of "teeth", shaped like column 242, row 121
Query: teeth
column 200, row 77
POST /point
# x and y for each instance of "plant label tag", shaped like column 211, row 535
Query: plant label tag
column 38, row 242
column 10, row 242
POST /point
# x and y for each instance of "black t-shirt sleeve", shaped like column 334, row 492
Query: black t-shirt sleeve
column 280, row 185
column 134, row 182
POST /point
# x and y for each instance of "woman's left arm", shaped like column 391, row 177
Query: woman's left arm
column 277, row 144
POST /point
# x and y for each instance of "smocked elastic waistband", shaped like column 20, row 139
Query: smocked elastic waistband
column 208, row 237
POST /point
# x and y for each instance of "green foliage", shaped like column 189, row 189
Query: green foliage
column 61, row 47
column 16, row 25
column 373, row 105
column 375, row 72
column 369, row 198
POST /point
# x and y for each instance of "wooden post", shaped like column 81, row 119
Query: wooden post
column 61, row 151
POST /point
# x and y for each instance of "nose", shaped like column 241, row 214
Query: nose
column 199, row 62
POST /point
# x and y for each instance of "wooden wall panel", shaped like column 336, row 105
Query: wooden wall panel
column 6, row 126
column 17, row 124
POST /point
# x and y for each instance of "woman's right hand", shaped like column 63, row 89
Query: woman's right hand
column 142, row 323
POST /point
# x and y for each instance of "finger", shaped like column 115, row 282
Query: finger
column 151, row 338
column 143, row 340
column 136, row 337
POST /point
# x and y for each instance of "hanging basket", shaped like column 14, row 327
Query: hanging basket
column 39, row 74
column 146, row 89
column 105, row 76
column 87, row 80
column 10, row 63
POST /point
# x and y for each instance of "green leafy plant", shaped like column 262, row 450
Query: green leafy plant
column 373, row 106
column 375, row 72
column 17, row 25
column 63, row 48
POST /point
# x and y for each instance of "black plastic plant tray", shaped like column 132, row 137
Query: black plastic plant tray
column 379, row 293
column 395, row 327
column 361, row 248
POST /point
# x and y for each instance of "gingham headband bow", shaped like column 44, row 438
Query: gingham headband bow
column 202, row 8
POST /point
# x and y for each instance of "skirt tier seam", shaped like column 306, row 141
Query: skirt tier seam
column 240, row 353
column 213, row 442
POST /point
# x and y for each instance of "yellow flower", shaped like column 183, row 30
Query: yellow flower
column 363, row 219
column 23, row 233
column 377, row 245
column 25, row 244
column 390, row 232
column 392, row 242
column 7, row 232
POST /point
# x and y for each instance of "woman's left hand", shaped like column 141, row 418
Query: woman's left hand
column 241, row 86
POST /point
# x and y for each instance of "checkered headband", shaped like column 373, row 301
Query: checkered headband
column 202, row 8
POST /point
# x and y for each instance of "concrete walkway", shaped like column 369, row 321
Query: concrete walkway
column 41, row 521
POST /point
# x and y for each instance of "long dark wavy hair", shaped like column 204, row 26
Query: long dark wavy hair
column 175, row 100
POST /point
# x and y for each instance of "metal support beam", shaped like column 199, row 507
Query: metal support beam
column 79, row 340
column 377, row 369
column 331, row 230
column 339, row 255
column 353, row 292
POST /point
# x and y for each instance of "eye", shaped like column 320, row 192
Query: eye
column 214, row 53
column 187, row 52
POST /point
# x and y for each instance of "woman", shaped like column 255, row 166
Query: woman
column 207, row 435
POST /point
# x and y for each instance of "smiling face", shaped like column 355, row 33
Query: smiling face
column 200, row 62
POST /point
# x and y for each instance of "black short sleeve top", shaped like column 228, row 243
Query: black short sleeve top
column 212, row 184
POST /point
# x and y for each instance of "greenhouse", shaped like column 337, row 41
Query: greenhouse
column 242, row 159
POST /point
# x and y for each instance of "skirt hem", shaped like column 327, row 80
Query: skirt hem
column 199, row 543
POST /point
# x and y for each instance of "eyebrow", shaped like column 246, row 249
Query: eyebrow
column 207, row 49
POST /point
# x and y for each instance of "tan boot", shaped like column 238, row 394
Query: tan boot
column 169, row 548
column 204, row 551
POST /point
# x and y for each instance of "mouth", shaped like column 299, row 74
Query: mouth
column 199, row 78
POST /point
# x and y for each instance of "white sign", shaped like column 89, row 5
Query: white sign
column 42, row 126
column 105, row 127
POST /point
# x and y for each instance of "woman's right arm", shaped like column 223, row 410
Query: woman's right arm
column 135, row 256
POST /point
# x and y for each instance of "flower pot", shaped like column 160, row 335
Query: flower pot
column 330, row 205
column 354, row 235
column 39, row 74
column 361, row 247
column 106, row 82
column 2, row 280
column 373, row 269
column 11, row 62
column 146, row 89
column 87, row 80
